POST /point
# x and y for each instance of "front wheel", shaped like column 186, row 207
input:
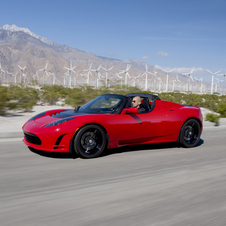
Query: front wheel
column 90, row 141
column 190, row 133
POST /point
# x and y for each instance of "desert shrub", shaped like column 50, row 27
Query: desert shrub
column 212, row 118
column 222, row 109
column 75, row 98
column 23, row 97
column 3, row 100
column 49, row 96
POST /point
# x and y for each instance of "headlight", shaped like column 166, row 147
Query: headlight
column 37, row 116
column 58, row 122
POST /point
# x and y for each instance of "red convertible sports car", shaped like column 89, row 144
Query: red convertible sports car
column 109, row 121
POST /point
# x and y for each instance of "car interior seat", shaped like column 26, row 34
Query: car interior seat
column 146, row 104
column 129, row 103
column 152, row 105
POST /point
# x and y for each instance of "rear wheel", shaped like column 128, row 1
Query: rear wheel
column 90, row 141
column 190, row 133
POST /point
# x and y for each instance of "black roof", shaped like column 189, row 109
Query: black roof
column 143, row 95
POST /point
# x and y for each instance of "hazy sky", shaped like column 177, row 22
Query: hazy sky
column 169, row 33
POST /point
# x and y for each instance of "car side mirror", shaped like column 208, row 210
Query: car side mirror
column 131, row 110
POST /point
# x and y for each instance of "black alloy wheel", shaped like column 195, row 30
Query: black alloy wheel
column 90, row 141
column 190, row 133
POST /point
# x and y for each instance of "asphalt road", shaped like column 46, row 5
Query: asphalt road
column 160, row 185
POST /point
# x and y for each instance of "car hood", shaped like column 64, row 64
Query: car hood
column 68, row 113
column 48, row 118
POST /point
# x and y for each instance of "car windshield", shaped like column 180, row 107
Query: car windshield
column 104, row 104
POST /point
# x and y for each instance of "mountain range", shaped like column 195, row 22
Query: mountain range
column 20, row 46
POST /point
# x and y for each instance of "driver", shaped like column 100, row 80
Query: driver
column 136, row 103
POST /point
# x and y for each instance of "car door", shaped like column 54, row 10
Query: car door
column 139, row 128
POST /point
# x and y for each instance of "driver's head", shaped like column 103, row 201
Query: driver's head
column 136, row 102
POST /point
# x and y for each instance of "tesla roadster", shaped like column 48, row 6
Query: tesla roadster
column 109, row 121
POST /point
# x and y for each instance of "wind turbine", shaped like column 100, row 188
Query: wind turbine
column 24, row 75
column 21, row 72
column 224, row 82
column 1, row 77
column 83, row 78
column 219, row 82
column 136, row 80
column 155, row 74
column 35, row 76
column 44, row 72
column 189, row 77
column 167, row 76
column 126, row 73
column 119, row 79
column 71, row 69
column 160, row 81
column 14, row 77
column 8, row 73
column 97, row 76
column 66, row 76
column 51, row 77
column 75, row 80
column 88, row 73
column 146, row 77
column 197, row 83
column 213, row 73
column 176, row 80
column 107, row 70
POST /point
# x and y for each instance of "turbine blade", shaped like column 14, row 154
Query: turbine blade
column 217, row 72
column 209, row 71
column 192, row 70
column 172, row 70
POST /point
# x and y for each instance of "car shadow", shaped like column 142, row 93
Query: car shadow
column 143, row 147
column 108, row 152
column 56, row 155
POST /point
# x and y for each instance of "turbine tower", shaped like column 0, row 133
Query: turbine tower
column 155, row 74
column 119, row 79
column 213, row 73
column 176, row 80
column 24, row 75
column 44, row 72
column 1, row 77
column 126, row 73
column 219, row 82
column 189, row 77
column 14, row 78
column 224, row 83
column 167, row 77
column 107, row 70
column 136, row 80
column 71, row 69
column 97, row 76
column 88, row 73
column 66, row 76
column 21, row 72
column 51, row 77
column 146, row 77
column 75, row 80
column 83, row 78
column 8, row 77
column 35, row 76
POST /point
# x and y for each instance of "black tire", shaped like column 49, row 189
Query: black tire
column 190, row 133
column 90, row 141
